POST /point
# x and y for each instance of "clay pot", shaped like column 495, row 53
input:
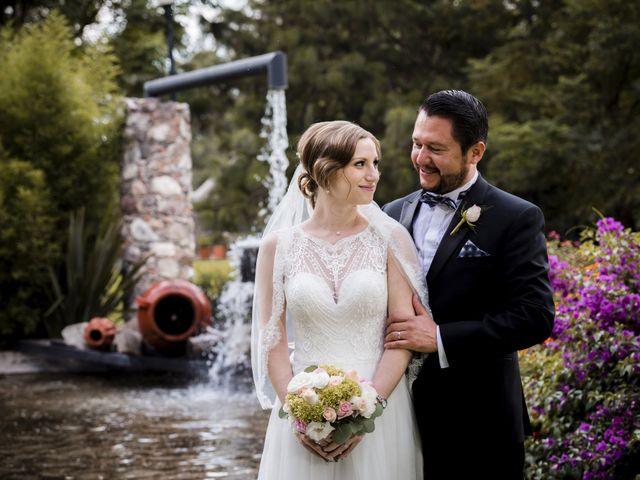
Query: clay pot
column 99, row 333
column 170, row 312
column 220, row 252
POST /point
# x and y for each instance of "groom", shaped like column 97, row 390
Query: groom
column 484, row 255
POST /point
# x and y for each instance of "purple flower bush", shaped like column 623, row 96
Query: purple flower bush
column 583, row 384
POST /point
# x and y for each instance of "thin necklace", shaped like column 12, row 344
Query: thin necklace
column 340, row 232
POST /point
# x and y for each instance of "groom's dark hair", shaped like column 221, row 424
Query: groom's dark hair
column 467, row 114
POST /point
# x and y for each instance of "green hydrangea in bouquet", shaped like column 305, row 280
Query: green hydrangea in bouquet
column 325, row 401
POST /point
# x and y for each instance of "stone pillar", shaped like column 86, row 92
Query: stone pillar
column 155, row 190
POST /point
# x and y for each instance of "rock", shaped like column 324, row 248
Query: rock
column 128, row 338
column 141, row 231
column 166, row 186
column 163, row 249
column 73, row 335
column 168, row 268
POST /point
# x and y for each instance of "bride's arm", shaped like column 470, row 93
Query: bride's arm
column 394, row 361
column 278, row 364
column 279, row 367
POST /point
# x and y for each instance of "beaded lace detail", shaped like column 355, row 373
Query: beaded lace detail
column 335, row 298
column 337, row 295
column 334, row 262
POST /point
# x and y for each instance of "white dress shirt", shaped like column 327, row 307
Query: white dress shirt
column 428, row 229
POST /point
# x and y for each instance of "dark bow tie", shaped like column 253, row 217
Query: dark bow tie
column 433, row 199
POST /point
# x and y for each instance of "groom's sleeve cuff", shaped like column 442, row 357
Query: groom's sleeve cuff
column 442, row 356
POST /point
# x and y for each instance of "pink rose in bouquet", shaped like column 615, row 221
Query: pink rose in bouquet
column 325, row 402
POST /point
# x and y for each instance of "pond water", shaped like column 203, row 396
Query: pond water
column 113, row 426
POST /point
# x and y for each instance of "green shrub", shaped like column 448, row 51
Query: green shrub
column 60, row 133
column 94, row 284
column 583, row 384
column 211, row 276
column 26, row 246
column 58, row 104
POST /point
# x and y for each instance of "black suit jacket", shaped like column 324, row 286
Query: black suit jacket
column 487, row 308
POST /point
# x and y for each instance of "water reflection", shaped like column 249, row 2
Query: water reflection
column 126, row 426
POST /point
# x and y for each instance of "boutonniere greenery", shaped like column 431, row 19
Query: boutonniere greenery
column 468, row 217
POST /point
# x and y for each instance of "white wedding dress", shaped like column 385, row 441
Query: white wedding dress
column 336, row 302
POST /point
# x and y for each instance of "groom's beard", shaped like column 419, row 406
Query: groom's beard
column 451, row 181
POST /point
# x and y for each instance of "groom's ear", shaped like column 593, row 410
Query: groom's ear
column 475, row 152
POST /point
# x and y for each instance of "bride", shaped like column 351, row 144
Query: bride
column 330, row 281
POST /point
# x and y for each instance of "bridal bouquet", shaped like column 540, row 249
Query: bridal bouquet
column 325, row 401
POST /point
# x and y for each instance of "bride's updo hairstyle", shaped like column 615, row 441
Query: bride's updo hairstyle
column 324, row 149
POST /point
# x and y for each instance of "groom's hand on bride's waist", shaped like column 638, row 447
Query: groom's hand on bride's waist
column 412, row 332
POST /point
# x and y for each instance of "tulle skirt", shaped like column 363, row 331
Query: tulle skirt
column 391, row 451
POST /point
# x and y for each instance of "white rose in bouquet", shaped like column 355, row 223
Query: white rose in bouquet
column 310, row 396
column 300, row 382
column 320, row 378
column 318, row 431
column 369, row 396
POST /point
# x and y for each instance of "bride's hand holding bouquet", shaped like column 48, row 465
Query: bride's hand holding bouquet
column 331, row 408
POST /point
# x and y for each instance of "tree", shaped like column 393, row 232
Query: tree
column 58, row 113
column 563, row 98
column 79, row 13
column 60, row 130
column 27, row 246
column 367, row 62
column 141, row 45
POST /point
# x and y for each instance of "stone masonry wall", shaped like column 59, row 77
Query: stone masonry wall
column 155, row 189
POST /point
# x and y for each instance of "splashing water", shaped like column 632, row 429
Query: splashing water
column 230, row 357
column 274, row 129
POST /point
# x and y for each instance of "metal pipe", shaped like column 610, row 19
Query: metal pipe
column 275, row 63
column 168, row 15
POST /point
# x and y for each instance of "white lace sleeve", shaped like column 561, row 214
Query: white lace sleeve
column 403, row 252
column 268, row 316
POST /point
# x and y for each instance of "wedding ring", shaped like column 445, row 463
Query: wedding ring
column 397, row 335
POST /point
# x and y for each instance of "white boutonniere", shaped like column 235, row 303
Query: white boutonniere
column 468, row 217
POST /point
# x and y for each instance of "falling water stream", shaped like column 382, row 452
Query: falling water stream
column 144, row 426
column 274, row 130
column 231, row 356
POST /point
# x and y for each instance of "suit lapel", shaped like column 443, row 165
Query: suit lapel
column 409, row 210
column 450, row 244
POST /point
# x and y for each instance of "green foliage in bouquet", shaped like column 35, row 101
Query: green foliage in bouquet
column 95, row 284
column 357, row 426
column 345, row 423
column 26, row 246
column 330, row 396
column 583, row 384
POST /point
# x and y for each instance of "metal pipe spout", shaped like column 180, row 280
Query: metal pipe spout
column 275, row 64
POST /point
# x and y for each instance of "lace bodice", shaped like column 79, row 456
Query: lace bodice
column 330, row 300
column 337, row 298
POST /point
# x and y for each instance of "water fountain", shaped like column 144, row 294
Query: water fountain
column 230, row 356
column 230, row 337
column 110, row 425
